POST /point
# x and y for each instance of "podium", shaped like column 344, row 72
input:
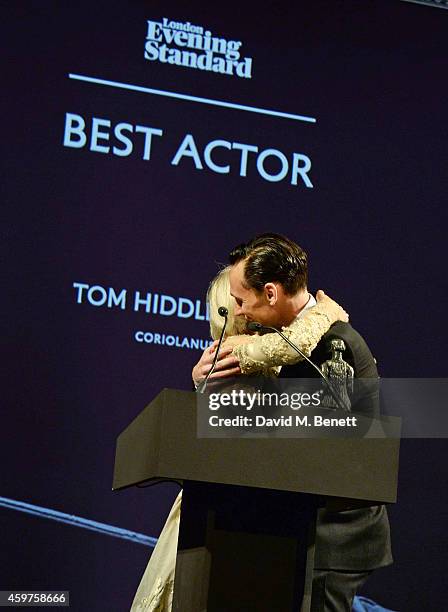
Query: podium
column 246, row 537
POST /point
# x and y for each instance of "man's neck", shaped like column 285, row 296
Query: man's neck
column 294, row 305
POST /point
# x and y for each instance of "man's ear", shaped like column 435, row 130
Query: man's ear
column 271, row 293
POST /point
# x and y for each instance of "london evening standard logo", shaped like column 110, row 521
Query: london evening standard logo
column 192, row 46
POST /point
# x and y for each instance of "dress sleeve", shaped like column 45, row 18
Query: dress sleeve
column 271, row 350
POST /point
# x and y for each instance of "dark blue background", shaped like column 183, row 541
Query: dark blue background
column 374, row 75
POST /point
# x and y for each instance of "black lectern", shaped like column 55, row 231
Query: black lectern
column 246, row 539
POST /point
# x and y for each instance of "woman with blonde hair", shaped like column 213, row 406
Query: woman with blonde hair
column 218, row 294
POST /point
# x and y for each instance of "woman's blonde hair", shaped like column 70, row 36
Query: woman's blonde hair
column 218, row 294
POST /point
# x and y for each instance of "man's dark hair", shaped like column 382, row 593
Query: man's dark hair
column 272, row 258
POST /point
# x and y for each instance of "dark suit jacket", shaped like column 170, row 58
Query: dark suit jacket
column 353, row 540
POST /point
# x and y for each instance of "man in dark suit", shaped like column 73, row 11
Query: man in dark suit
column 268, row 280
column 350, row 544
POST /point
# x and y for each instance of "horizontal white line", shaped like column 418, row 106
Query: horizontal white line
column 179, row 96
